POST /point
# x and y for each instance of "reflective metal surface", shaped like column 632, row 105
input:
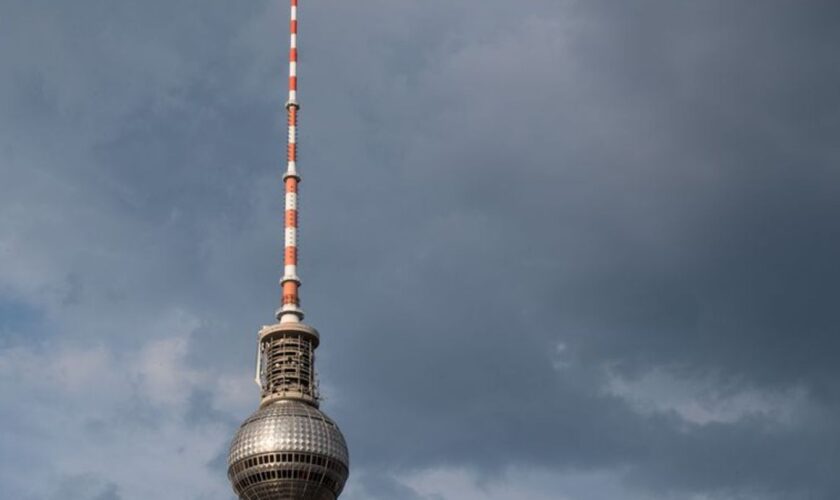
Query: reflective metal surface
column 288, row 450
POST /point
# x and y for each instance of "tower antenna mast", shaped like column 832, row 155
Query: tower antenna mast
column 290, row 310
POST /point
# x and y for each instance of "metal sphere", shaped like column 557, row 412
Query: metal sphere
column 288, row 450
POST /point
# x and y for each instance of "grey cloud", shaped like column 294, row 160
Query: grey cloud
column 378, row 486
column 86, row 487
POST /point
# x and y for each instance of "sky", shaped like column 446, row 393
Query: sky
column 557, row 249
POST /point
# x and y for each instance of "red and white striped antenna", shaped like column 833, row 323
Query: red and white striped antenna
column 290, row 310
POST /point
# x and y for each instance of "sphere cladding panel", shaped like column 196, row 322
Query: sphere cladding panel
column 288, row 426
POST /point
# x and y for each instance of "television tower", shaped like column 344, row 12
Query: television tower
column 288, row 449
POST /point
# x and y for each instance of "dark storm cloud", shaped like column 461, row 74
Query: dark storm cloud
column 655, row 185
column 502, row 208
